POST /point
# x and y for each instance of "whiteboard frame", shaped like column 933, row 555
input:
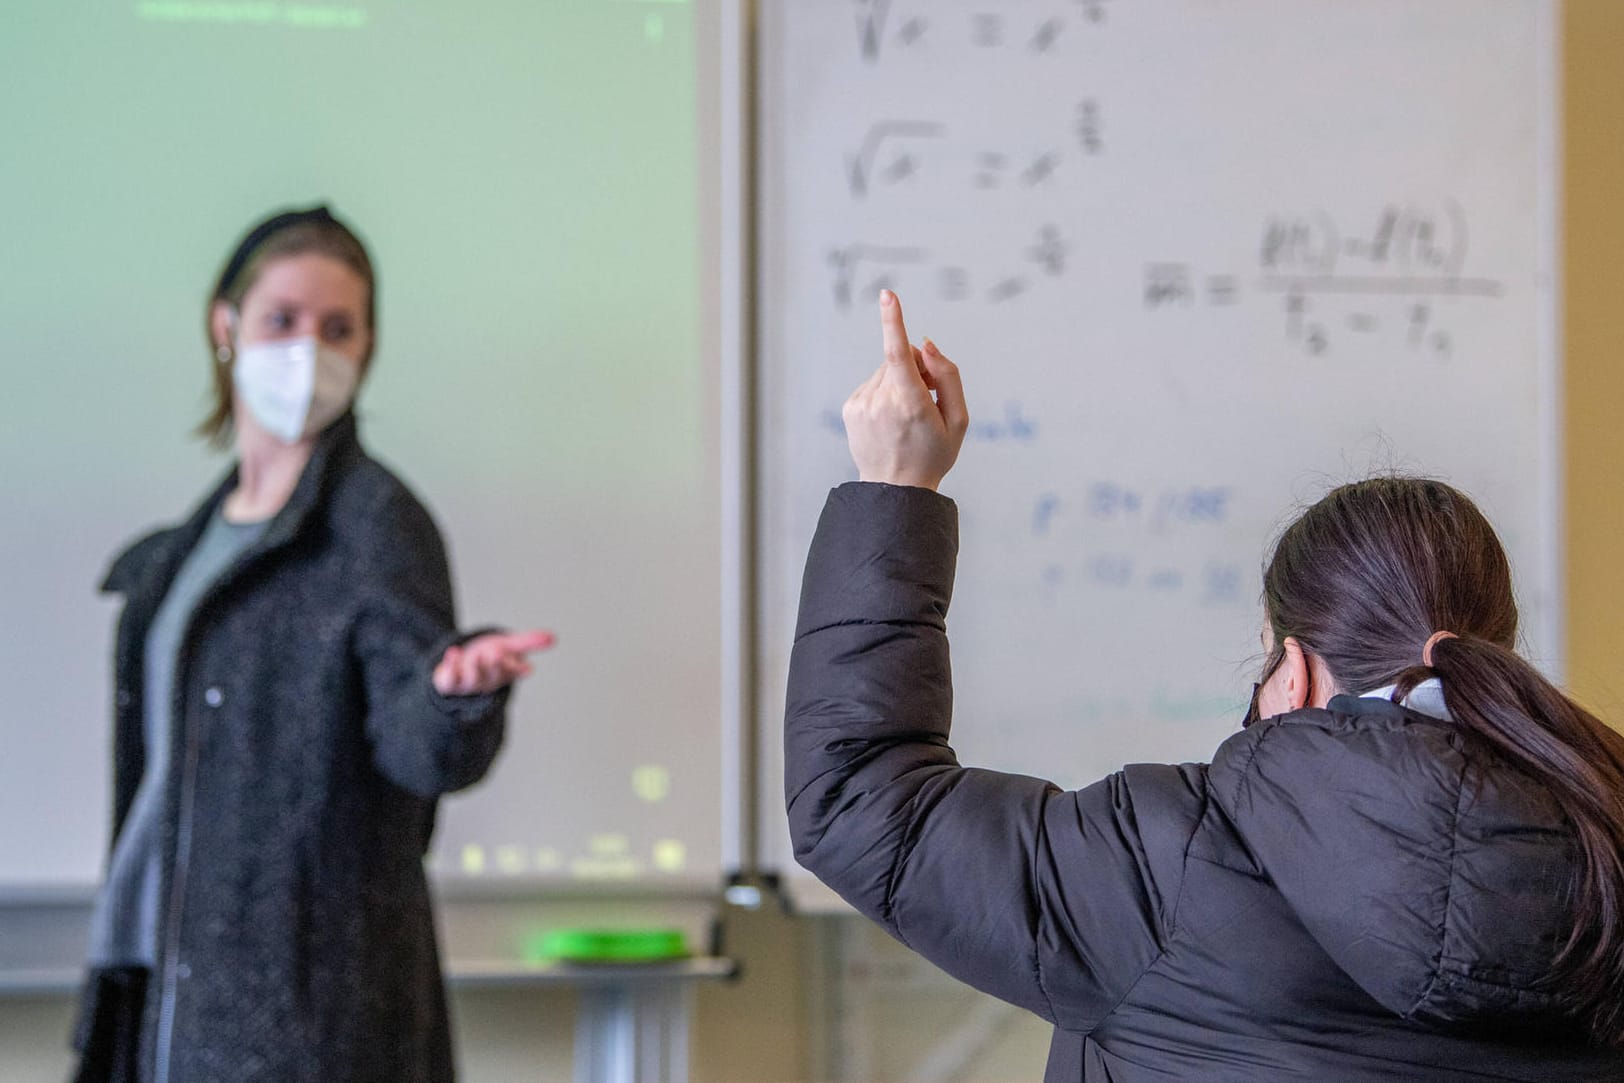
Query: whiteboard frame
column 1552, row 571
column 741, row 854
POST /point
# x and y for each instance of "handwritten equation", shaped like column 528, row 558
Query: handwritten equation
column 1116, row 502
column 862, row 270
column 885, row 27
column 1100, row 536
column 1208, row 579
column 1384, row 284
column 1209, row 582
column 895, row 152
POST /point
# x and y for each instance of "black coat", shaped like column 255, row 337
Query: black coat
column 310, row 749
column 1356, row 893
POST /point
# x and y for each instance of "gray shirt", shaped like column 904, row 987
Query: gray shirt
column 124, row 927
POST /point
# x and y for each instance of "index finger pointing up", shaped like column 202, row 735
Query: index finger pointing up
column 897, row 349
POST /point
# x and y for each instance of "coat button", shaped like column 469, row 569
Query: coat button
column 183, row 971
column 214, row 697
column 124, row 698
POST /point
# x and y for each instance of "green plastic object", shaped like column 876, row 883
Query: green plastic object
column 606, row 946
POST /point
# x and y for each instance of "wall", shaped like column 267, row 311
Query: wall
column 793, row 1015
column 1593, row 317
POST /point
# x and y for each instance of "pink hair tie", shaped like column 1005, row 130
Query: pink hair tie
column 1433, row 641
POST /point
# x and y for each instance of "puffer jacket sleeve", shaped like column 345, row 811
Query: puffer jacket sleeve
column 424, row 742
column 1054, row 901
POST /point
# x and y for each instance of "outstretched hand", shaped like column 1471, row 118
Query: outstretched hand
column 897, row 431
column 488, row 662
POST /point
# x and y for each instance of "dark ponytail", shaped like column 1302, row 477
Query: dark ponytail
column 1580, row 760
column 1363, row 579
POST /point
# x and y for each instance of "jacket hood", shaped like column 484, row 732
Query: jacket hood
column 1432, row 873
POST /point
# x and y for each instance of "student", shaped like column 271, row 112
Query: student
column 292, row 697
column 1410, row 867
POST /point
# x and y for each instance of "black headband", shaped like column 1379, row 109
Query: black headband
column 262, row 233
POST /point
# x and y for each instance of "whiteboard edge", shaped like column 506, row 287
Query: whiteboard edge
column 739, row 836
column 1549, row 178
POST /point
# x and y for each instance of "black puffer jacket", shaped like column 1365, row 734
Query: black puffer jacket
column 310, row 749
column 1357, row 893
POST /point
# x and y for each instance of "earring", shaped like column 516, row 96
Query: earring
column 222, row 354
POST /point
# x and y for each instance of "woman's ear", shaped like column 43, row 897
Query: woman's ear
column 366, row 355
column 1306, row 680
column 1296, row 675
column 222, row 327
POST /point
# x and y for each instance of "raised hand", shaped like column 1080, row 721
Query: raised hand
column 488, row 662
column 897, row 431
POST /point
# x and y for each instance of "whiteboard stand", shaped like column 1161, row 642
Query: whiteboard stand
column 633, row 1033
column 632, row 1020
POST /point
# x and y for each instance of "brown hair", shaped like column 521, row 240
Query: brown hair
column 1362, row 579
column 292, row 233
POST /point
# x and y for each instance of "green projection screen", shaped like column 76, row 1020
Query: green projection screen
column 531, row 179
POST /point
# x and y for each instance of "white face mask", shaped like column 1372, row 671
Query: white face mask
column 295, row 388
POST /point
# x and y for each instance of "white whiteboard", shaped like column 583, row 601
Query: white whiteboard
column 1198, row 260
